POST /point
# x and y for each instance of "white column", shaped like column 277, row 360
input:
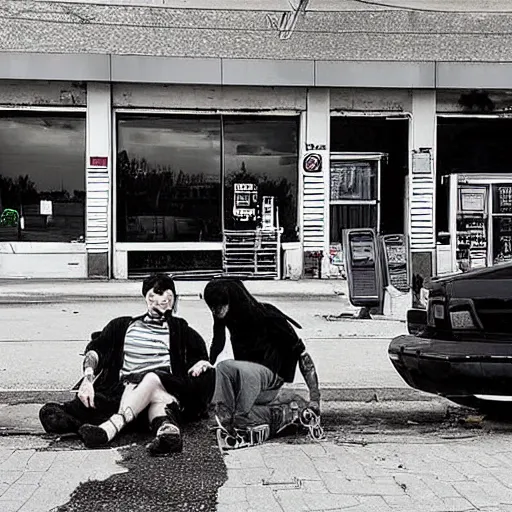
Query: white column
column 315, row 186
column 422, row 173
column 99, row 178
column 422, row 181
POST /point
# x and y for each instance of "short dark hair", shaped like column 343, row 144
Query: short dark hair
column 160, row 283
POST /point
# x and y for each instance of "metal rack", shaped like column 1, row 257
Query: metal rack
column 252, row 253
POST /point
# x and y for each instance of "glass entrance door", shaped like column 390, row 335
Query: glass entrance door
column 353, row 194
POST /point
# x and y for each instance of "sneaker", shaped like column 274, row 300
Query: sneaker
column 55, row 420
column 168, row 439
column 310, row 420
column 251, row 436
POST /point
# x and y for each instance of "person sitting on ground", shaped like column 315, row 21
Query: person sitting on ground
column 266, row 351
column 135, row 365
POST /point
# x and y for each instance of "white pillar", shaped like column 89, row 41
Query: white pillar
column 99, row 179
column 315, row 185
column 422, row 183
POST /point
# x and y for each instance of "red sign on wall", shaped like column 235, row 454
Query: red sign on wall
column 98, row 161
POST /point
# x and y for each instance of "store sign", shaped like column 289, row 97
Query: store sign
column 315, row 147
column 98, row 161
column 312, row 163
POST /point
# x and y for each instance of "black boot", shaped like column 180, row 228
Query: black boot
column 93, row 436
column 167, row 432
column 56, row 420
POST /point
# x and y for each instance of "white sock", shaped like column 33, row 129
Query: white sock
column 116, row 422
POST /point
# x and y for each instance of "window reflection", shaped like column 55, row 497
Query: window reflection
column 42, row 158
column 263, row 151
column 168, row 179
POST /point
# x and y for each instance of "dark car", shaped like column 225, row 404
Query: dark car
column 461, row 346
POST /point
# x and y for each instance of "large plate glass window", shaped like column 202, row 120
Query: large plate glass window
column 168, row 179
column 42, row 177
column 261, row 151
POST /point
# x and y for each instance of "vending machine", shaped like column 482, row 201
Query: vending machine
column 245, row 202
column 480, row 220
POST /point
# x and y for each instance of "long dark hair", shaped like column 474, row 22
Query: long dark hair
column 243, row 306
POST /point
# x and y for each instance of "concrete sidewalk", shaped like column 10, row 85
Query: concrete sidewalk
column 37, row 290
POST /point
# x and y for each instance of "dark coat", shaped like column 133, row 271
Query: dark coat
column 186, row 348
column 267, row 339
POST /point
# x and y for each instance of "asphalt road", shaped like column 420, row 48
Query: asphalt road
column 41, row 344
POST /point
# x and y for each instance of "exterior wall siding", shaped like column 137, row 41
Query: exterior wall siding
column 196, row 97
column 16, row 93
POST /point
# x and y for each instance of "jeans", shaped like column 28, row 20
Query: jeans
column 245, row 391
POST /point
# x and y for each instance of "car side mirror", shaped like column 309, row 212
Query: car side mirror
column 416, row 321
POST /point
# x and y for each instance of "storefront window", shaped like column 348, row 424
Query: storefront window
column 42, row 178
column 168, row 179
column 261, row 151
column 353, row 181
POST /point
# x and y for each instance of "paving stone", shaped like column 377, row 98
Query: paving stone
column 31, row 478
column 471, row 469
column 493, row 487
column 372, row 504
column 3, row 488
column 18, row 492
column 404, row 502
column 17, row 461
column 476, row 495
column 47, row 498
column 291, row 500
column 5, row 453
column 262, row 499
column 41, row 461
column 231, row 495
column 316, row 450
column 245, row 458
column 242, row 506
column 10, row 506
column 413, row 485
column 439, row 487
column 325, row 464
column 243, row 477
column 329, row 501
column 78, row 457
column 457, row 504
column 9, row 477
column 338, row 484
column 314, row 487
column 287, row 467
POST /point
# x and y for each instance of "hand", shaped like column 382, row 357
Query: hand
column 199, row 367
column 86, row 393
column 314, row 406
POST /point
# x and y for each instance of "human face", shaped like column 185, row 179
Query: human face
column 220, row 312
column 159, row 304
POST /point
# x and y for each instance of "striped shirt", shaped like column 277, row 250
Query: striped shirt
column 146, row 347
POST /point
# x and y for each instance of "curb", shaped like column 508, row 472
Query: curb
column 30, row 298
column 330, row 393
